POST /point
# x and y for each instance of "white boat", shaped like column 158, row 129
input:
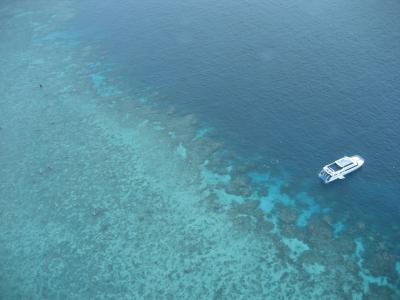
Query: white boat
column 340, row 167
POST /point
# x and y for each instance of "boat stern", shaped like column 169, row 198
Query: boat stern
column 358, row 160
column 324, row 176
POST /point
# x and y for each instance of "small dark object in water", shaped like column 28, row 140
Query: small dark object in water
column 40, row 85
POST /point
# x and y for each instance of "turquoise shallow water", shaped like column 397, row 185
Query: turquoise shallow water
column 110, row 192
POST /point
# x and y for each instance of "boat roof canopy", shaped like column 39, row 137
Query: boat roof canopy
column 344, row 161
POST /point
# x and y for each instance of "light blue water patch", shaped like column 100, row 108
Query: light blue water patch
column 172, row 134
column 143, row 123
column 274, row 196
column 267, row 204
column 359, row 250
column 72, row 66
column 66, row 88
column 37, row 27
column 213, row 178
column 93, row 64
column 201, row 133
column 61, row 35
column 338, row 228
column 23, row 14
column 142, row 99
column 181, row 151
column 296, row 247
column 398, row 268
column 265, row 178
column 158, row 127
column 37, row 61
column 56, row 37
column 314, row 269
column 227, row 199
column 99, row 82
column 305, row 214
column 259, row 178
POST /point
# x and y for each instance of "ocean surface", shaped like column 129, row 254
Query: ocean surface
column 170, row 149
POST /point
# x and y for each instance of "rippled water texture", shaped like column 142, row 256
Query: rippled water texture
column 108, row 191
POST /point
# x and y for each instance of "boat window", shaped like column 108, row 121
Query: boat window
column 335, row 167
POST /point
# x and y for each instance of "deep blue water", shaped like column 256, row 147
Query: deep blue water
column 296, row 82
